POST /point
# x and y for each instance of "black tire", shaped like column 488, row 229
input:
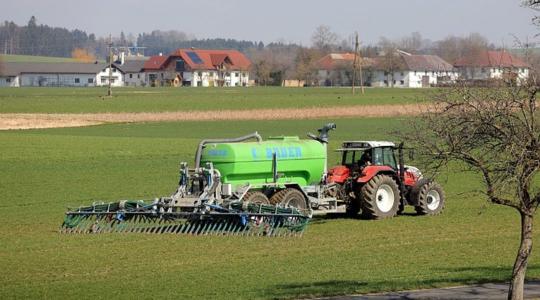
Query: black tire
column 256, row 198
column 353, row 207
column 429, row 197
column 376, row 206
column 290, row 197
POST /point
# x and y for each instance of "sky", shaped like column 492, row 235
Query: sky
column 284, row 20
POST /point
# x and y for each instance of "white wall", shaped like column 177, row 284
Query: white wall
column 409, row 79
column 76, row 80
column 102, row 77
column 9, row 81
column 210, row 78
column 477, row 73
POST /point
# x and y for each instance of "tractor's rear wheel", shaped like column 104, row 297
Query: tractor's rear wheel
column 289, row 197
column 380, row 197
column 256, row 198
column 429, row 197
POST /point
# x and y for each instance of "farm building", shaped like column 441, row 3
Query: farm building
column 133, row 72
column 195, row 67
column 335, row 69
column 16, row 74
column 412, row 71
column 487, row 65
column 408, row 70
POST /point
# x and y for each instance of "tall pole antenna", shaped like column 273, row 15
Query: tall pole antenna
column 360, row 66
column 109, row 91
column 357, row 66
column 354, row 63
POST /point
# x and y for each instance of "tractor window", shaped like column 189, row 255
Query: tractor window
column 348, row 157
column 378, row 156
column 388, row 156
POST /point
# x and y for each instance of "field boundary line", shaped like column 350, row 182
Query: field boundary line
column 42, row 120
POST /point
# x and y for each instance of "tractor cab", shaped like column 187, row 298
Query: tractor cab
column 359, row 154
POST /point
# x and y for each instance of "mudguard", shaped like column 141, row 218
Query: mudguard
column 370, row 171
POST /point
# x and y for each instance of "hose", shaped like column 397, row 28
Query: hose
column 198, row 154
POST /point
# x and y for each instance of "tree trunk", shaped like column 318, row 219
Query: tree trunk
column 520, row 265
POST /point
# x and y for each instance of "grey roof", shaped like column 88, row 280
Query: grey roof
column 131, row 66
column 17, row 68
column 426, row 63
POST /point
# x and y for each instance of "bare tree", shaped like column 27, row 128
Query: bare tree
column 452, row 47
column 305, row 64
column 495, row 132
column 323, row 38
column 389, row 60
column 412, row 43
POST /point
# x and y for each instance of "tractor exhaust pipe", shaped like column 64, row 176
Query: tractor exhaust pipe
column 198, row 154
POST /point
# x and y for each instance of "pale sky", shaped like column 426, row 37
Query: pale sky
column 283, row 20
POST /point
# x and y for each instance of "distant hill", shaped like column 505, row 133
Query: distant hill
column 32, row 58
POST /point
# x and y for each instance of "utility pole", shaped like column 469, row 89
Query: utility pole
column 109, row 91
column 356, row 65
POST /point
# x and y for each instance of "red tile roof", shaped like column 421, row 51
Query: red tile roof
column 210, row 59
column 155, row 62
column 491, row 59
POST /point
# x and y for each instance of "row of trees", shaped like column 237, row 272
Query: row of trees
column 34, row 39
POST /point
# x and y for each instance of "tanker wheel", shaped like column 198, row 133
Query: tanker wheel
column 256, row 198
column 380, row 198
column 429, row 197
column 290, row 197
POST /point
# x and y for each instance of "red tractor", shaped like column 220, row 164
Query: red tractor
column 372, row 181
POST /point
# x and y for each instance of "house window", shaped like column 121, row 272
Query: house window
column 77, row 80
column 8, row 80
column 103, row 80
column 130, row 75
column 402, row 82
column 483, row 70
column 414, row 72
column 402, row 74
column 90, row 80
column 237, row 74
column 138, row 76
column 245, row 75
column 394, row 82
column 199, row 74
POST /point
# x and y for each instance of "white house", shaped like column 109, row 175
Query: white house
column 413, row 71
column 15, row 74
column 116, row 76
column 486, row 65
column 409, row 70
column 199, row 68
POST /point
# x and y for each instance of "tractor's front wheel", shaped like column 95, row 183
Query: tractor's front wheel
column 429, row 197
column 380, row 197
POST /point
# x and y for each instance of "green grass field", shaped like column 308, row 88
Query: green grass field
column 43, row 171
column 88, row 100
column 34, row 58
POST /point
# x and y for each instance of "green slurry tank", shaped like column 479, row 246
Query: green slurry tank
column 296, row 161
